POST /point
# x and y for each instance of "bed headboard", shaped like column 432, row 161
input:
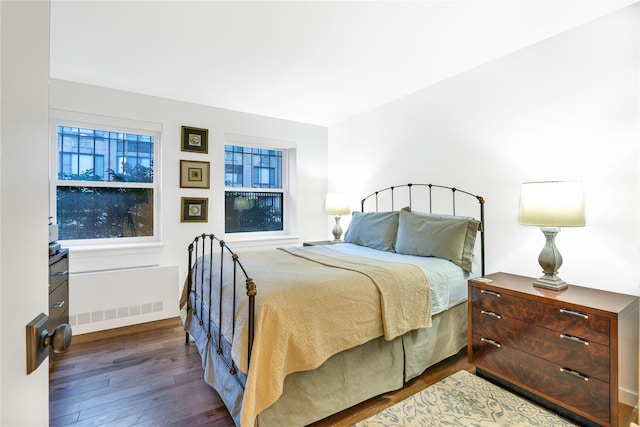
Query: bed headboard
column 429, row 198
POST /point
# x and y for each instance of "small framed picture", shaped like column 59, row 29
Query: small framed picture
column 194, row 174
column 194, row 209
column 195, row 140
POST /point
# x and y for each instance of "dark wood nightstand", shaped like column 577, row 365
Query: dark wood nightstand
column 558, row 348
column 321, row 242
column 58, row 292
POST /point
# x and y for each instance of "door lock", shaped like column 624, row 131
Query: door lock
column 39, row 339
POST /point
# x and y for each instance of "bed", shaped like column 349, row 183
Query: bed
column 292, row 335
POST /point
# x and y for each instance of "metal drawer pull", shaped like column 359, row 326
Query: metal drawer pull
column 574, row 373
column 491, row 313
column 492, row 342
column 493, row 294
column 574, row 313
column 574, row 339
column 58, row 304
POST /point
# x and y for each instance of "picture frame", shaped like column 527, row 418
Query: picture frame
column 195, row 140
column 194, row 209
column 194, row 174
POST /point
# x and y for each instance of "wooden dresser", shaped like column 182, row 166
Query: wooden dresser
column 557, row 348
column 58, row 292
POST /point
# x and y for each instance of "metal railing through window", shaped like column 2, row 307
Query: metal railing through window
column 251, row 211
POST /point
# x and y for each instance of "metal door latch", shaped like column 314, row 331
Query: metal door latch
column 39, row 339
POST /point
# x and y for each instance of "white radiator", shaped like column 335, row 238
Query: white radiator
column 109, row 299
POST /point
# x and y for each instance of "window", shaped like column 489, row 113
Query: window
column 247, row 209
column 105, row 184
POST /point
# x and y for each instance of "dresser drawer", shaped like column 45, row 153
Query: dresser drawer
column 58, row 303
column 564, row 319
column 590, row 358
column 576, row 322
column 589, row 398
column 58, row 273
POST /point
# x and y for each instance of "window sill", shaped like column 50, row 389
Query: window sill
column 262, row 242
column 93, row 251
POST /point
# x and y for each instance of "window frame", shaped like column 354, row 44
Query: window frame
column 288, row 150
column 112, row 125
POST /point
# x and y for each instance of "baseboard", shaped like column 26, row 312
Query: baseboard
column 126, row 330
column 629, row 398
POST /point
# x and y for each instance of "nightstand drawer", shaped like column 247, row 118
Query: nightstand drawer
column 505, row 304
column 58, row 301
column 576, row 322
column 587, row 395
column 58, row 273
column 564, row 319
column 590, row 358
column 321, row 243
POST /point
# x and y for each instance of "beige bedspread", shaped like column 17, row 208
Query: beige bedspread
column 315, row 304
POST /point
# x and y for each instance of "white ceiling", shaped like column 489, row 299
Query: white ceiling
column 317, row 62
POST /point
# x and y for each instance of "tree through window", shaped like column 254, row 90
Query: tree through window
column 104, row 184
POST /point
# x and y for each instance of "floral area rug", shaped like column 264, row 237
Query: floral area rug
column 463, row 399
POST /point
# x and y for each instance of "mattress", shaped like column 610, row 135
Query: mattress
column 448, row 282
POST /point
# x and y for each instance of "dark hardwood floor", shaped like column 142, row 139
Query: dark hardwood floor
column 141, row 378
column 145, row 375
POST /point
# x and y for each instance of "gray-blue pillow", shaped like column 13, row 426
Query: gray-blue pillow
column 376, row 230
column 447, row 237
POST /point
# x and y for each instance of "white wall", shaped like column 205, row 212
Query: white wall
column 169, row 115
column 565, row 108
column 24, row 399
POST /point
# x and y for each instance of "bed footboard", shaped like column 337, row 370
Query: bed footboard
column 205, row 247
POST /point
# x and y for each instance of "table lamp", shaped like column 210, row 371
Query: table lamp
column 336, row 204
column 551, row 205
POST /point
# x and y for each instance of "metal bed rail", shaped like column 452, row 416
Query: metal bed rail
column 204, row 246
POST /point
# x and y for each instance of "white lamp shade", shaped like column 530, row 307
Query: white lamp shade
column 552, row 204
column 241, row 204
column 336, row 204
